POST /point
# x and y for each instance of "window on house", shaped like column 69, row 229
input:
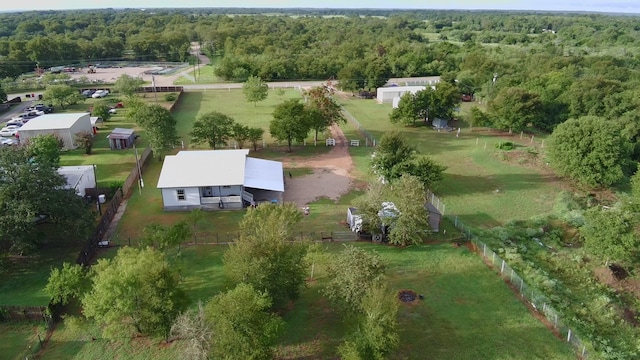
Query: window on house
column 181, row 195
column 226, row 187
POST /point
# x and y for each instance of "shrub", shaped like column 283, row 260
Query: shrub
column 170, row 97
column 507, row 145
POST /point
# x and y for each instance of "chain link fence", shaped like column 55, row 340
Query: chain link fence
column 369, row 139
column 535, row 299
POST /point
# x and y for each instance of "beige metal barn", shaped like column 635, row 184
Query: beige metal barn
column 63, row 126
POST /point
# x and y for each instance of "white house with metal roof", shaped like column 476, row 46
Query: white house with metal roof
column 63, row 126
column 219, row 179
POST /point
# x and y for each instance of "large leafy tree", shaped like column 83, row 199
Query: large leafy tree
column 411, row 223
column 351, row 274
column 3, row 95
column 45, row 149
column 590, row 150
column 406, row 112
column 376, row 330
column 240, row 133
column 66, row 283
column 611, row 234
column 127, row 85
column 324, row 110
column 515, row 108
column 242, row 324
column 254, row 135
column 100, row 109
column 407, row 223
column 395, row 157
column 137, row 291
column 255, row 90
column 214, row 128
column 289, row 122
column 30, row 187
column 62, row 95
column 265, row 257
column 445, row 98
column 159, row 126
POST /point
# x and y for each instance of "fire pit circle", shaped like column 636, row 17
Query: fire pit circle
column 408, row 296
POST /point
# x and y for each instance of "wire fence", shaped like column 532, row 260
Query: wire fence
column 535, row 299
column 370, row 140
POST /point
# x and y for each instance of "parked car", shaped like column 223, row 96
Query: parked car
column 12, row 127
column 88, row 92
column 8, row 142
column 6, row 132
column 44, row 108
column 112, row 111
column 100, row 94
column 14, row 123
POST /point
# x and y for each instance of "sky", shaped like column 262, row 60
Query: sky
column 616, row 6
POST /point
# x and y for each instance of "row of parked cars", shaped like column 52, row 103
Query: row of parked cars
column 96, row 94
column 10, row 129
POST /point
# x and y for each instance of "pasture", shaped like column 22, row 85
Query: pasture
column 467, row 313
column 483, row 186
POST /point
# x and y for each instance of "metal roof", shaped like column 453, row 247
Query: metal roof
column 263, row 174
column 203, row 168
column 120, row 133
column 54, row 121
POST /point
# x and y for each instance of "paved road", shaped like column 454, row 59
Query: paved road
column 18, row 108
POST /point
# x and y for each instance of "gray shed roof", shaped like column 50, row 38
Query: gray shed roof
column 120, row 133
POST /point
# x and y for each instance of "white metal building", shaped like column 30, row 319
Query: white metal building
column 63, row 126
column 79, row 178
column 387, row 94
column 219, row 179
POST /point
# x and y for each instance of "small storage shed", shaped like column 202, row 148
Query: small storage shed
column 78, row 178
column 121, row 138
column 63, row 126
column 440, row 123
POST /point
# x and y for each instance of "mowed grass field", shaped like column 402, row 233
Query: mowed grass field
column 483, row 186
column 19, row 341
column 467, row 313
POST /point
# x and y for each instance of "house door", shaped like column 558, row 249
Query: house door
column 207, row 191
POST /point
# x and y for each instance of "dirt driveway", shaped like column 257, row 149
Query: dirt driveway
column 331, row 177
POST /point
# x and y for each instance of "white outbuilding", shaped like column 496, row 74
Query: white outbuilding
column 219, row 179
column 79, row 178
column 63, row 126
column 387, row 94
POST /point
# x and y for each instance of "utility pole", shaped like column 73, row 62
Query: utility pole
column 140, row 181
column 153, row 84
column 95, row 177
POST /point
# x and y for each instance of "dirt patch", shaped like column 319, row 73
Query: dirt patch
column 331, row 177
column 409, row 297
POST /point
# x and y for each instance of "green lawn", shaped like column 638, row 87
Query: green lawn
column 484, row 186
column 25, row 277
column 203, row 76
column 232, row 103
column 468, row 312
column 112, row 166
column 19, row 341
